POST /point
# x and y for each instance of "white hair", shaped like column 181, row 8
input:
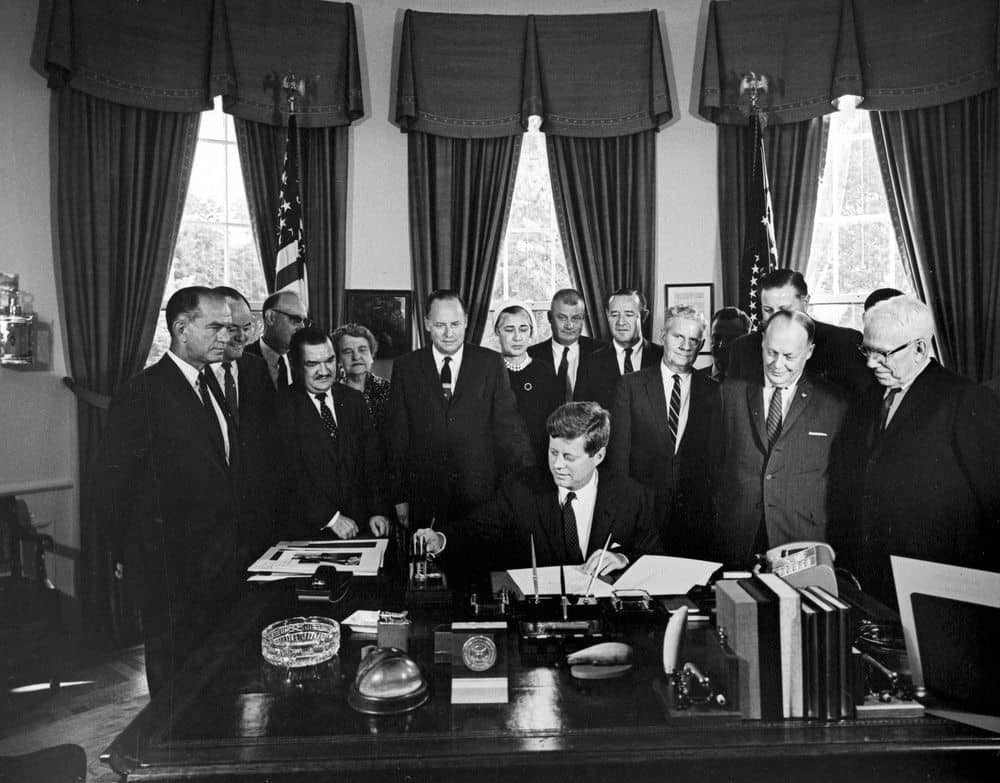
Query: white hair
column 903, row 313
column 686, row 312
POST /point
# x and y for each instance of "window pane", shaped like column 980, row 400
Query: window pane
column 206, row 193
column 239, row 211
column 213, row 123
column 199, row 255
column 245, row 271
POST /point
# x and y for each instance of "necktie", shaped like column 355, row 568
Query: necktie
column 206, row 392
column 570, row 534
column 674, row 414
column 446, row 378
column 628, row 361
column 326, row 415
column 883, row 416
column 206, row 395
column 563, row 374
column 281, row 382
column 774, row 417
column 230, row 389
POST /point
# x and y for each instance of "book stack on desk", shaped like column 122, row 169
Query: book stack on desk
column 793, row 646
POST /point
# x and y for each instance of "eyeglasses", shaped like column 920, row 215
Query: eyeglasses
column 295, row 319
column 882, row 356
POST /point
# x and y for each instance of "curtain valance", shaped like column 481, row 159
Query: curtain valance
column 176, row 55
column 905, row 54
column 482, row 76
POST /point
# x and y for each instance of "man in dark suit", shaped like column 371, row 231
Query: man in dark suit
column 728, row 325
column 568, row 344
column 283, row 316
column 246, row 390
column 661, row 429
column 164, row 484
column 835, row 357
column 569, row 510
column 930, row 444
column 627, row 352
column 332, row 454
column 777, row 449
column 452, row 429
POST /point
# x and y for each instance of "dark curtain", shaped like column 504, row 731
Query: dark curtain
column 795, row 153
column 605, row 197
column 942, row 171
column 121, row 178
column 323, row 162
column 460, row 192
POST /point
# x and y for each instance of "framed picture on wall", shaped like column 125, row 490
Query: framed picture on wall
column 389, row 314
column 700, row 296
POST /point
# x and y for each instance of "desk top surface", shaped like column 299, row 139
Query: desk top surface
column 231, row 713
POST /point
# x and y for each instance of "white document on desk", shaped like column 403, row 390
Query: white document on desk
column 664, row 575
column 549, row 582
column 361, row 556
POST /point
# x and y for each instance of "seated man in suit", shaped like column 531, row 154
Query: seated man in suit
column 452, row 430
column 660, row 432
column 568, row 343
column 283, row 316
column 928, row 442
column 835, row 357
column 570, row 509
column 333, row 458
column 777, row 440
column 248, row 395
column 628, row 351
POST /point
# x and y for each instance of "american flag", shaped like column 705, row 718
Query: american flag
column 290, row 264
column 760, row 253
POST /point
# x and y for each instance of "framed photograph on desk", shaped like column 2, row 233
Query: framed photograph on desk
column 389, row 314
column 700, row 296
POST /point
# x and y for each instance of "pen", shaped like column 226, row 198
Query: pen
column 534, row 567
column 600, row 562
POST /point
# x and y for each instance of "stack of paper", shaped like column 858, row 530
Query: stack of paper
column 361, row 556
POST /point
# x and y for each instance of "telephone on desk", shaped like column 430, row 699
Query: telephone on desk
column 803, row 563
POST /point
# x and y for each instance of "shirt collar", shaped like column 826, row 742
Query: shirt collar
column 586, row 492
column 189, row 372
column 456, row 358
column 270, row 355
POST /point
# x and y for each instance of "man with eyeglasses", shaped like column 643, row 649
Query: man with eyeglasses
column 568, row 343
column 930, row 439
column 164, row 487
column 283, row 316
column 835, row 357
column 628, row 352
column 247, row 392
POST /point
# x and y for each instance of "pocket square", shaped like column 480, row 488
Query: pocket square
column 819, row 434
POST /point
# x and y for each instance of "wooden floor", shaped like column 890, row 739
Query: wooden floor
column 89, row 715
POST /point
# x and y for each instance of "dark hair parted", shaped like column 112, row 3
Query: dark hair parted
column 440, row 295
column 186, row 301
column 880, row 295
column 733, row 314
column 779, row 278
column 307, row 335
column 581, row 419
column 643, row 305
column 797, row 317
column 354, row 330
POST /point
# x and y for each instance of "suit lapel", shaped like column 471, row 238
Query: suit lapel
column 799, row 403
column 470, row 367
column 656, row 397
column 601, row 524
column 428, row 369
column 918, row 397
column 191, row 401
column 755, row 406
column 549, row 525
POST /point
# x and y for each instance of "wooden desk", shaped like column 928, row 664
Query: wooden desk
column 233, row 717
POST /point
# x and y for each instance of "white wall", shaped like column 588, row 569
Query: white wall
column 38, row 416
column 37, row 413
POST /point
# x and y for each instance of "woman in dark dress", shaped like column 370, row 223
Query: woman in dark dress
column 535, row 384
column 356, row 346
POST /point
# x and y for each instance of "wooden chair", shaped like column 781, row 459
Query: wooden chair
column 29, row 602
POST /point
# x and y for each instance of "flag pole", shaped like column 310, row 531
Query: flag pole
column 290, row 261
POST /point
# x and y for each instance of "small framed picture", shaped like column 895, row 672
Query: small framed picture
column 700, row 296
column 389, row 314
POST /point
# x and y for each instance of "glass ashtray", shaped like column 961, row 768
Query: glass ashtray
column 300, row 641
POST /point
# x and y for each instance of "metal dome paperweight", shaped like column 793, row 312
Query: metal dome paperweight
column 300, row 641
column 388, row 682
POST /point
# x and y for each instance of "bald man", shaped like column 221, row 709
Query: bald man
column 283, row 316
column 777, row 442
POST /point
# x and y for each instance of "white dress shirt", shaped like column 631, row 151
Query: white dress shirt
column 787, row 395
column 456, row 363
column 333, row 412
column 668, row 387
column 220, row 376
column 636, row 356
column 191, row 374
column 583, row 508
column 572, row 360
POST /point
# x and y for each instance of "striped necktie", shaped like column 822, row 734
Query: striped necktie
column 674, row 415
column 774, row 417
